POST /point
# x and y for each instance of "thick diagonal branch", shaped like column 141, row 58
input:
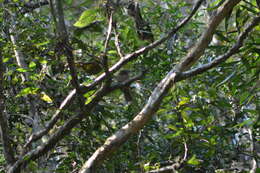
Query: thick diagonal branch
column 232, row 51
column 124, row 60
column 206, row 37
column 131, row 56
column 120, row 137
column 65, row 129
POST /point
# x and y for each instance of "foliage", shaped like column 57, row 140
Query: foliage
column 208, row 117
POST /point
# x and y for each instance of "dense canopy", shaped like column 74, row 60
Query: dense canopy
column 129, row 86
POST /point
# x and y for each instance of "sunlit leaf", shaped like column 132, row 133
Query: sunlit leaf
column 88, row 96
column 184, row 100
column 32, row 64
column 172, row 127
column 28, row 90
column 173, row 135
column 6, row 60
column 42, row 43
column 43, row 62
column 21, row 70
column 193, row 160
column 46, row 98
column 87, row 17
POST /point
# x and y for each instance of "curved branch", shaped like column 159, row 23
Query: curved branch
column 58, row 135
column 235, row 48
column 65, row 129
column 121, row 136
column 58, row 114
column 124, row 59
column 131, row 56
column 206, row 37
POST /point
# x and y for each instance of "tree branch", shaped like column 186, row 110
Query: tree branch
column 63, row 42
column 206, row 37
column 124, row 59
column 117, row 44
column 121, row 136
column 165, row 169
column 104, row 55
column 173, row 166
column 62, row 34
column 65, row 129
column 61, row 28
column 131, row 56
column 20, row 59
column 58, row 135
column 98, row 80
column 4, row 129
column 58, row 114
column 235, row 48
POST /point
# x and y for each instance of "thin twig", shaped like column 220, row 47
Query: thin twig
column 108, row 37
column 117, row 44
column 234, row 49
column 58, row 114
column 131, row 56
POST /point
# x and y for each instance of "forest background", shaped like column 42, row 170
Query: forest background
column 129, row 86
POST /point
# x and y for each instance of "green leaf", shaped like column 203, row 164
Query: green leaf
column 187, row 120
column 32, row 64
column 88, row 96
column 113, row 52
column 172, row 127
column 184, row 100
column 43, row 62
column 5, row 60
column 247, row 122
column 28, row 90
column 147, row 166
column 221, row 36
column 87, row 17
column 244, row 96
column 249, row 9
column 42, row 43
column 21, row 70
column 32, row 165
column 194, row 160
column 173, row 135
column 46, row 98
column 223, row 103
column 26, row 158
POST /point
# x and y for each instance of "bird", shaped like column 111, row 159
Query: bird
column 90, row 68
column 122, row 76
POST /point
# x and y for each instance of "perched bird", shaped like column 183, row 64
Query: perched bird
column 122, row 77
column 90, row 68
